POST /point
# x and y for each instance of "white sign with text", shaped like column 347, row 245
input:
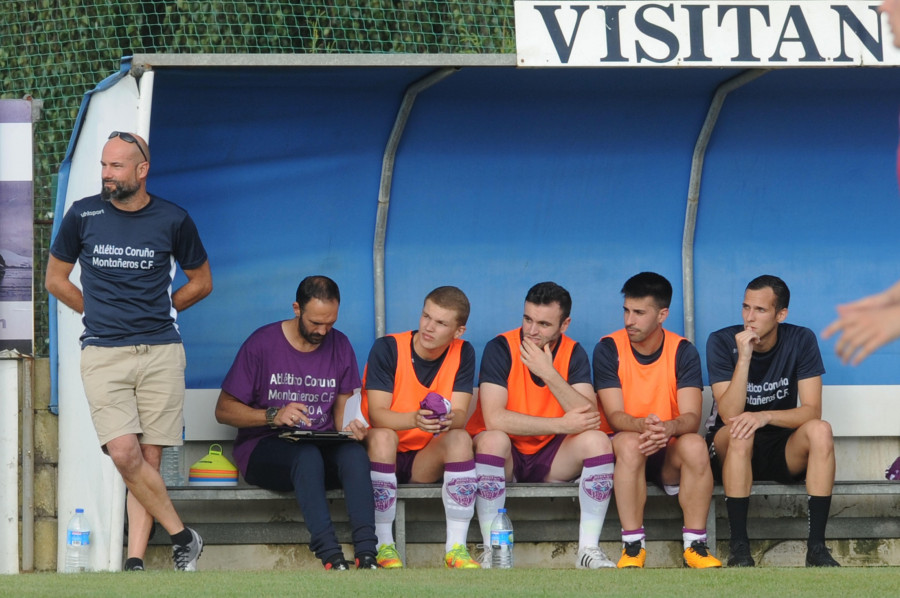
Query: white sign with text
column 742, row 34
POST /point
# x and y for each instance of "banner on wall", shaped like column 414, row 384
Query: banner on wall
column 769, row 34
column 16, row 227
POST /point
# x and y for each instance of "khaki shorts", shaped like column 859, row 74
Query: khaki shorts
column 136, row 389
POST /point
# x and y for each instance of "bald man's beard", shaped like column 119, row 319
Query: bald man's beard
column 120, row 191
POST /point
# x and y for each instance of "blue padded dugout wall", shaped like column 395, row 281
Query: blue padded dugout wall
column 506, row 177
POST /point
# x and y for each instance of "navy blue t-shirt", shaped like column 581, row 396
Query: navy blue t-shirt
column 773, row 375
column 381, row 366
column 127, row 264
column 496, row 363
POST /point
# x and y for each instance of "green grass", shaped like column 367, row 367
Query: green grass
column 437, row 583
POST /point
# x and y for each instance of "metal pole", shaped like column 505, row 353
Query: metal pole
column 693, row 199
column 384, row 189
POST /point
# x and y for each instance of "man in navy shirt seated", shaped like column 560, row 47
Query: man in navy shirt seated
column 759, row 371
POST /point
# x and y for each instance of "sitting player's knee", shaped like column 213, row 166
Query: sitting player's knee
column 493, row 442
column 381, row 443
column 820, row 435
column 693, row 447
column 626, row 442
column 741, row 448
column 591, row 443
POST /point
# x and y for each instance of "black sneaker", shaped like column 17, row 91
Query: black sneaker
column 818, row 555
column 740, row 555
column 367, row 561
column 337, row 563
column 134, row 564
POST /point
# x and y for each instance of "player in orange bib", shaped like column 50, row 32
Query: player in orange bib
column 648, row 382
column 536, row 419
column 409, row 443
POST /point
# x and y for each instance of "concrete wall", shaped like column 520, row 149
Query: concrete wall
column 556, row 555
column 780, row 520
column 46, row 457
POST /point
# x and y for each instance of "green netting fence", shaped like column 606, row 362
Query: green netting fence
column 56, row 50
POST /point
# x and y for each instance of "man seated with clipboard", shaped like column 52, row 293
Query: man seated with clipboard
column 286, row 392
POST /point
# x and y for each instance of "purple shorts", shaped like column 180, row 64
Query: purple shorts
column 536, row 467
column 653, row 471
column 405, row 465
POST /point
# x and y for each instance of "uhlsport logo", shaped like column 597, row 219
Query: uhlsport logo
column 385, row 495
column 491, row 487
column 462, row 491
column 598, row 486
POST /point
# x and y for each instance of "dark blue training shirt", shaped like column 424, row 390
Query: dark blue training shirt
column 127, row 264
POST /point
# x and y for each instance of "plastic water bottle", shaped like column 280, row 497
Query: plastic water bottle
column 502, row 541
column 78, row 543
column 171, row 466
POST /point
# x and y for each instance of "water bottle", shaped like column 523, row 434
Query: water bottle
column 78, row 544
column 171, row 465
column 501, row 541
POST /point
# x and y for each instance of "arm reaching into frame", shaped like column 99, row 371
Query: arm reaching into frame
column 865, row 325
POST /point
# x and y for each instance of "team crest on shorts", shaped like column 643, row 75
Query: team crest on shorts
column 491, row 487
column 598, row 486
column 462, row 491
column 385, row 495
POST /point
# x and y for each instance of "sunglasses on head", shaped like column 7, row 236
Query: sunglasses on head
column 129, row 138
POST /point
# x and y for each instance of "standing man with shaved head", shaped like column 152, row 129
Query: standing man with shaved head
column 127, row 243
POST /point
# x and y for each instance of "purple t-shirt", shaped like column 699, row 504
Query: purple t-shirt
column 269, row 372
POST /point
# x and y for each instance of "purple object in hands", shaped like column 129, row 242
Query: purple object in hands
column 436, row 404
column 893, row 472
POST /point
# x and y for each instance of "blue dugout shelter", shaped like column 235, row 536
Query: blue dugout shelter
column 492, row 178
